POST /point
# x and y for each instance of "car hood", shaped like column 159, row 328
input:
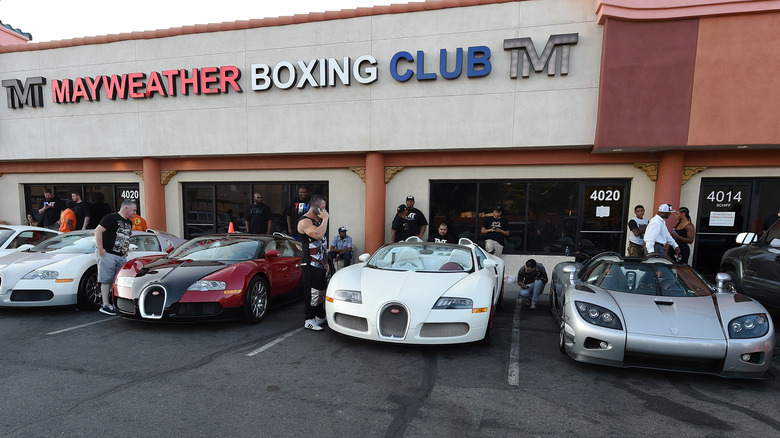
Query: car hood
column 423, row 288
column 684, row 317
column 175, row 275
column 15, row 265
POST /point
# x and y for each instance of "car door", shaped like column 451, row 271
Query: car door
column 762, row 268
column 285, row 270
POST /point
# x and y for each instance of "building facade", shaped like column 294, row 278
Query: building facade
column 567, row 113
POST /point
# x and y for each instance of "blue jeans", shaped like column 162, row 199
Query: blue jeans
column 532, row 291
column 347, row 257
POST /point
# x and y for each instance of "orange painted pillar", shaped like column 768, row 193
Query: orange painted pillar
column 669, row 183
column 154, row 195
column 375, row 201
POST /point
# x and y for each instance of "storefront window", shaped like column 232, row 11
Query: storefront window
column 102, row 198
column 545, row 217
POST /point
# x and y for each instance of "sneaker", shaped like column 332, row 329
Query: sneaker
column 533, row 305
column 320, row 321
column 108, row 309
column 310, row 324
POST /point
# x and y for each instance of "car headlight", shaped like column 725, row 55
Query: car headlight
column 453, row 303
column 749, row 326
column 125, row 281
column 207, row 285
column 350, row 296
column 42, row 274
column 598, row 315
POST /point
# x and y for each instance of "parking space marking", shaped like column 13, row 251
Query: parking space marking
column 79, row 326
column 513, row 372
column 274, row 342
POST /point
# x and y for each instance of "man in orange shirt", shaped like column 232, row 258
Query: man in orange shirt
column 68, row 217
column 139, row 223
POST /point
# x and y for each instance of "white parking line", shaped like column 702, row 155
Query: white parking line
column 274, row 342
column 513, row 372
column 79, row 326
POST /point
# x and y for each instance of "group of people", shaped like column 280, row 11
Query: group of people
column 652, row 236
column 71, row 215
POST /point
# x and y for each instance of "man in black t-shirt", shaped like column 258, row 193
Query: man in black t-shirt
column 443, row 235
column 296, row 209
column 258, row 217
column 50, row 210
column 416, row 218
column 112, row 238
column 82, row 211
column 495, row 229
column 399, row 230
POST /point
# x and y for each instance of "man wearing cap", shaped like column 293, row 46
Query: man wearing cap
column 657, row 235
column 416, row 219
column 341, row 248
column 495, row 229
column 399, row 231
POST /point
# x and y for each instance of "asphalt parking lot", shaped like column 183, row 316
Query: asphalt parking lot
column 71, row 373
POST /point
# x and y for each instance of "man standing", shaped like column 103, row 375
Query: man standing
column 531, row 278
column 495, row 229
column 637, row 227
column 657, row 235
column 295, row 210
column 399, row 230
column 50, row 211
column 68, row 217
column 112, row 237
column 341, row 248
column 312, row 228
column 258, row 217
column 443, row 235
column 416, row 218
column 81, row 210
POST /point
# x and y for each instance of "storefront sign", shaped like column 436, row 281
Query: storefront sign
column 322, row 72
column 722, row 218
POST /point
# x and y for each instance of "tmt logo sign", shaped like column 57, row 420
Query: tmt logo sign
column 31, row 94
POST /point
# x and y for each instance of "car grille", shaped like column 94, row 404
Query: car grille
column 351, row 322
column 31, row 295
column 152, row 301
column 393, row 321
column 444, row 330
column 195, row 309
column 125, row 305
column 675, row 363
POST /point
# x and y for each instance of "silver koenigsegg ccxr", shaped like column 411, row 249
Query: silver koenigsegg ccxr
column 652, row 313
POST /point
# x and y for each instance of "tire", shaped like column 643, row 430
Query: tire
column 88, row 296
column 256, row 301
column 488, row 339
column 731, row 285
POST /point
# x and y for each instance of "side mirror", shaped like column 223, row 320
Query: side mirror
column 24, row 247
column 364, row 257
column 775, row 243
column 720, row 279
column 169, row 249
column 569, row 269
column 488, row 263
column 272, row 254
column 746, row 238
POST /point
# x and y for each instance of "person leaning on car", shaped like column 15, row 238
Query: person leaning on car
column 531, row 278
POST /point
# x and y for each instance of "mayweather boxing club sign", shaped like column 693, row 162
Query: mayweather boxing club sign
column 323, row 72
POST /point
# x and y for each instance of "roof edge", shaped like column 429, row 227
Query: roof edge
column 647, row 10
column 396, row 8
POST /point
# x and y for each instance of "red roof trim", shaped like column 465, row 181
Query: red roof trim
column 428, row 5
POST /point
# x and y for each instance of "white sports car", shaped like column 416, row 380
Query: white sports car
column 13, row 237
column 415, row 292
column 63, row 270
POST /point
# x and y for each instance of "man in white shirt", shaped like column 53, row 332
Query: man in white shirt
column 657, row 235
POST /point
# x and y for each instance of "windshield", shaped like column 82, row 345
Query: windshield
column 5, row 234
column 651, row 279
column 218, row 248
column 71, row 243
column 423, row 257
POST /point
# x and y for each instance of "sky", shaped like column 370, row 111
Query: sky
column 51, row 20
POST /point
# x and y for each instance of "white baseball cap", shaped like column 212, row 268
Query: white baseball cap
column 665, row 208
